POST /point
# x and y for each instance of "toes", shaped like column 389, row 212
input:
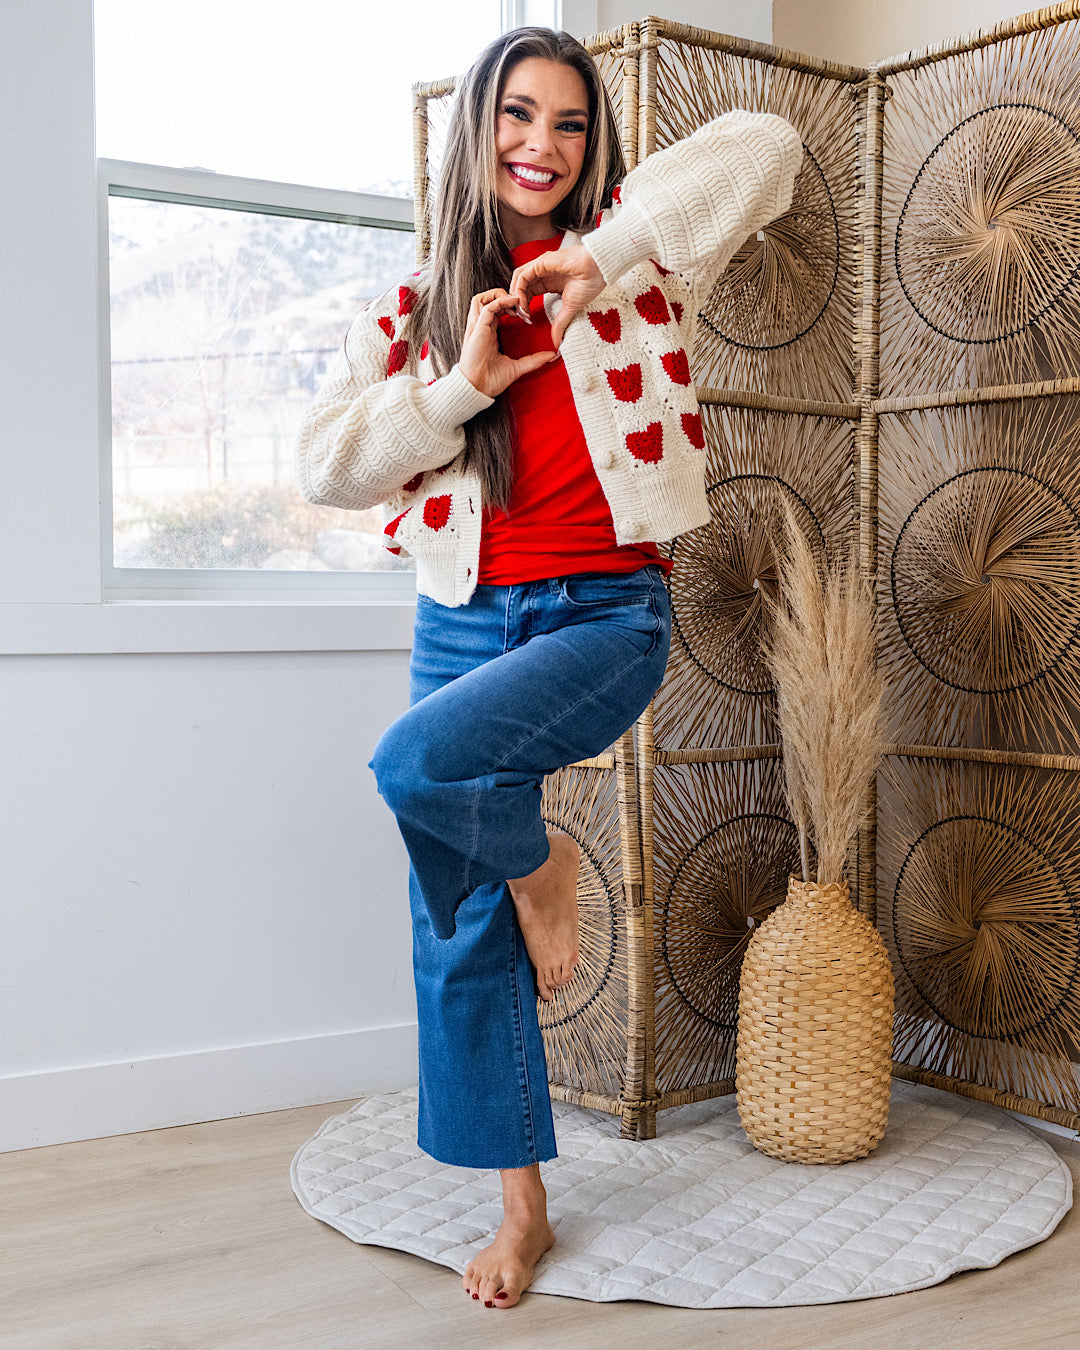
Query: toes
column 561, row 976
column 506, row 1298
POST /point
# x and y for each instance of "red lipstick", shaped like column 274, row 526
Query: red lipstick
column 531, row 184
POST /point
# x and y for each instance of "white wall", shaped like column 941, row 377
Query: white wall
column 744, row 18
column 203, row 898
column 856, row 32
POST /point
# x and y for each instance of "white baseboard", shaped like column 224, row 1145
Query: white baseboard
column 90, row 1101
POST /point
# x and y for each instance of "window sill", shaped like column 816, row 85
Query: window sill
column 132, row 626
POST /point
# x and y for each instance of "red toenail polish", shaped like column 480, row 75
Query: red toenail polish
column 502, row 1295
column 476, row 1296
column 488, row 1303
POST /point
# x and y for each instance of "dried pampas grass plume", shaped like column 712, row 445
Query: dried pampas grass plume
column 821, row 654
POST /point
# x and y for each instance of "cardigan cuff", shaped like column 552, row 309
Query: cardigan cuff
column 451, row 401
column 622, row 242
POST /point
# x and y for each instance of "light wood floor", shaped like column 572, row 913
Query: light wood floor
column 191, row 1239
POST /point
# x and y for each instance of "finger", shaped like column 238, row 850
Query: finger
column 491, row 309
column 529, row 279
column 476, row 306
column 482, row 299
column 526, row 364
column 519, row 288
column 559, row 327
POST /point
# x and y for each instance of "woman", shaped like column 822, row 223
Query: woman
column 524, row 406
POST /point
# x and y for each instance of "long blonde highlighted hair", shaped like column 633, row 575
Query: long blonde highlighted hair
column 469, row 254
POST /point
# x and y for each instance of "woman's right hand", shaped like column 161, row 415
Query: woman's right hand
column 481, row 361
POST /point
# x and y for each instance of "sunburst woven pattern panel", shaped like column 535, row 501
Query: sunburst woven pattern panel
column 780, row 318
column 585, row 1027
column 723, row 850
column 980, row 277
column 980, row 574
column 978, row 903
column 716, row 691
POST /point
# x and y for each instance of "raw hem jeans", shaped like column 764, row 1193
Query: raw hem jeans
column 505, row 689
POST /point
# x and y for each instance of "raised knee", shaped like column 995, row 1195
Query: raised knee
column 389, row 766
column 401, row 773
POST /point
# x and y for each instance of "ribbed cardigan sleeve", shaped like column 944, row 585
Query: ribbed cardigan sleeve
column 692, row 204
column 366, row 434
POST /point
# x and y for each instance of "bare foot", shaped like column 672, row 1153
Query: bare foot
column 546, row 904
column 500, row 1274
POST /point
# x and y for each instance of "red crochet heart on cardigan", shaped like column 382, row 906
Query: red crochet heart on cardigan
column 413, row 483
column 406, row 299
column 437, row 511
column 424, row 350
column 626, row 384
column 647, row 445
column 652, row 306
column 677, row 366
column 399, row 354
column 677, row 310
column 691, row 424
column 664, row 271
column 608, row 324
column 387, row 325
column 392, row 529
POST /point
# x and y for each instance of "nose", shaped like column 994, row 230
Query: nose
column 541, row 141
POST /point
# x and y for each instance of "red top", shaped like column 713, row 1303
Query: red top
column 558, row 521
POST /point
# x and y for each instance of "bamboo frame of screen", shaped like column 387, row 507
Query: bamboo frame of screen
column 633, row 58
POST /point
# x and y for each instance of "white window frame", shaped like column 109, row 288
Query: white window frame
column 200, row 187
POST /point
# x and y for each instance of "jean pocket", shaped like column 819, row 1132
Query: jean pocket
column 591, row 590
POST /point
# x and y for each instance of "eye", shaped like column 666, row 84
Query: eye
column 515, row 110
column 574, row 128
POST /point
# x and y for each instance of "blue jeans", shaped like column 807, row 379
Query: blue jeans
column 505, row 689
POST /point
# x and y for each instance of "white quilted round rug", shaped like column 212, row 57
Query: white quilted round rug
column 696, row 1217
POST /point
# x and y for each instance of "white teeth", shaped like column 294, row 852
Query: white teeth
column 533, row 175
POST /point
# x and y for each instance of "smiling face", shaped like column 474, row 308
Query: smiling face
column 541, row 130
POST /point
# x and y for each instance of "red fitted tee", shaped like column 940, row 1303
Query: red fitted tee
column 558, row 521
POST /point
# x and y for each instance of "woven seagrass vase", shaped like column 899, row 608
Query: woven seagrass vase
column 814, row 1043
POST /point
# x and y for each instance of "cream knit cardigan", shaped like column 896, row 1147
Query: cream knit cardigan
column 383, row 430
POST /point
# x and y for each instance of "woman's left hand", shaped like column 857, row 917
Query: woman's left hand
column 571, row 272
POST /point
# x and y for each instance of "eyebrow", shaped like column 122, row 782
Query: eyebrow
column 532, row 103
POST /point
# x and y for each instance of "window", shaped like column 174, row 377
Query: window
column 227, row 294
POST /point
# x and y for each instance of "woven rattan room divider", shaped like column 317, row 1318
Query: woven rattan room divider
column 898, row 356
